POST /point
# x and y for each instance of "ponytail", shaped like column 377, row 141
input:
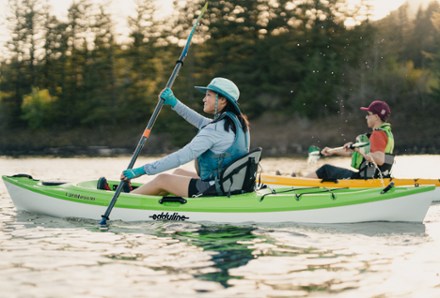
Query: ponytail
column 241, row 117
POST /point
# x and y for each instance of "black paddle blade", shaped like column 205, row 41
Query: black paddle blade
column 103, row 225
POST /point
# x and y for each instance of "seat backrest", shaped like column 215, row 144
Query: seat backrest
column 240, row 176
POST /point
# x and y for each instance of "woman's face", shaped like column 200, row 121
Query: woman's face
column 209, row 102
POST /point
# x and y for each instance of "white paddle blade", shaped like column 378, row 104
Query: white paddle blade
column 314, row 155
column 313, row 159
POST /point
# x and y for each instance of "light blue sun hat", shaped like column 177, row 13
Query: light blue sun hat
column 225, row 88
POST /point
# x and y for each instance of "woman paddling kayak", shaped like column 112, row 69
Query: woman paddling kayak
column 219, row 141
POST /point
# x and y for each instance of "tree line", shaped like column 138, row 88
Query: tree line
column 289, row 58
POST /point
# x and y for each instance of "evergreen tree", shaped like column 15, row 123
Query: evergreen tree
column 232, row 48
column 423, row 39
column 142, row 70
column 55, row 55
column 435, row 67
column 287, row 57
column 77, row 54
column 99, row 105
column 25, row 24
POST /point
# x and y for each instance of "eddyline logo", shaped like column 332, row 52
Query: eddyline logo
column 166, row 216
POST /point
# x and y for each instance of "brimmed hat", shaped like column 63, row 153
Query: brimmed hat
column 379, row 108
column 225, row 88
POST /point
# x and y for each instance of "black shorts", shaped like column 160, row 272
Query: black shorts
column 331, row 173
column 198, row 188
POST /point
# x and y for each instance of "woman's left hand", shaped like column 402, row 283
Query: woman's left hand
column 132, row 173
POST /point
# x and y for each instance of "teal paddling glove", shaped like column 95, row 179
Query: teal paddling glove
column 168, row 97
column 134, row 173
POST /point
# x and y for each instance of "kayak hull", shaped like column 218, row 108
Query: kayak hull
column 351, row 183
column 80, row 200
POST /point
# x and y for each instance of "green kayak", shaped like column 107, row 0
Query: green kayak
column 267, row 205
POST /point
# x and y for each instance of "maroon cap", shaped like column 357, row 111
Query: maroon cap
column 379, row 108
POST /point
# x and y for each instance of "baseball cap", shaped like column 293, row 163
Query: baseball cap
column 379, row 108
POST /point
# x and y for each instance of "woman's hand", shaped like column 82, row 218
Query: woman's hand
column 168, row 97
column 132, row 173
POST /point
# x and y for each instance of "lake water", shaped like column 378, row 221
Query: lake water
column 50, row 257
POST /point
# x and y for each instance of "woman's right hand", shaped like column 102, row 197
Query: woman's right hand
column 168, row 97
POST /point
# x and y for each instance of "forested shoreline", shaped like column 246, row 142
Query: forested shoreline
column 68, row 87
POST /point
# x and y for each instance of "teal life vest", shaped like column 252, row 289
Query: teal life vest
column 368, row 169
column 209, row 165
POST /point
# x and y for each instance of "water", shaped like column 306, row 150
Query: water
column 50, row 257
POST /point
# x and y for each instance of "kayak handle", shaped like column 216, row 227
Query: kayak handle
column 386, row 189
column 52, row 183
column 172, row 200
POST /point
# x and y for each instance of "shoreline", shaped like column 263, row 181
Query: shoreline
column 279, row 136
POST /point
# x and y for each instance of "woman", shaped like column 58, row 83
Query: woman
column 372, row 161
column 218, row 142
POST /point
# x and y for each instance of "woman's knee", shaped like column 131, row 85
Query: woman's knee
column 179, row 171
column 162, row 178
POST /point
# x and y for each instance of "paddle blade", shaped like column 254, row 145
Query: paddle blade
column 103, row 225
column 314, row 155
column 313, row 149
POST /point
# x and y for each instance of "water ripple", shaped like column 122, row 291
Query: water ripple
column 50, row 257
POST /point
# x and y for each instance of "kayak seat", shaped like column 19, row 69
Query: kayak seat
column 240, row 176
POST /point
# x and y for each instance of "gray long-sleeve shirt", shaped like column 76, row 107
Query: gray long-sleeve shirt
column 211, row 136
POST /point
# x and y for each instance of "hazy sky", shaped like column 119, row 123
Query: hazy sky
column 120, row 9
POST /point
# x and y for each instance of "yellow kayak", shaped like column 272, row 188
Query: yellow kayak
column 350, row 183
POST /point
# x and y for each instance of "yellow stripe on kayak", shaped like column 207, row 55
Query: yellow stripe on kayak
column 354, row 183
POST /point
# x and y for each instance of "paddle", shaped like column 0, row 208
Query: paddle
column 315, row 152
column 147, row 131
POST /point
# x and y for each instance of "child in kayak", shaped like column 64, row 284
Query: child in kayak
column 218, row 142
column 373, row 160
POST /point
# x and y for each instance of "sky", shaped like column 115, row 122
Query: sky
column 120, row 9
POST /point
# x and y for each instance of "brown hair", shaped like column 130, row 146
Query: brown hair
column 241, row 117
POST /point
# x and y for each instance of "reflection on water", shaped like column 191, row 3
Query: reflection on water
column 50, row 257
column 288, row 260
column 371, row 228
column 229, row 244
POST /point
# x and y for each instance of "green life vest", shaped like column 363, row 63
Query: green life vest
column 356, row 157
column 358, row 161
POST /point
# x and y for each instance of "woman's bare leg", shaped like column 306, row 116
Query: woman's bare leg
column 164, row 184
column 183, row 172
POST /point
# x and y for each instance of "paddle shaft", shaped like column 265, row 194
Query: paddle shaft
column 336, row 149
column 153, row 118
column 314, row 156
column 351, row 146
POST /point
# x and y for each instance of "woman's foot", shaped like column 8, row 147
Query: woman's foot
column 103, row 184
